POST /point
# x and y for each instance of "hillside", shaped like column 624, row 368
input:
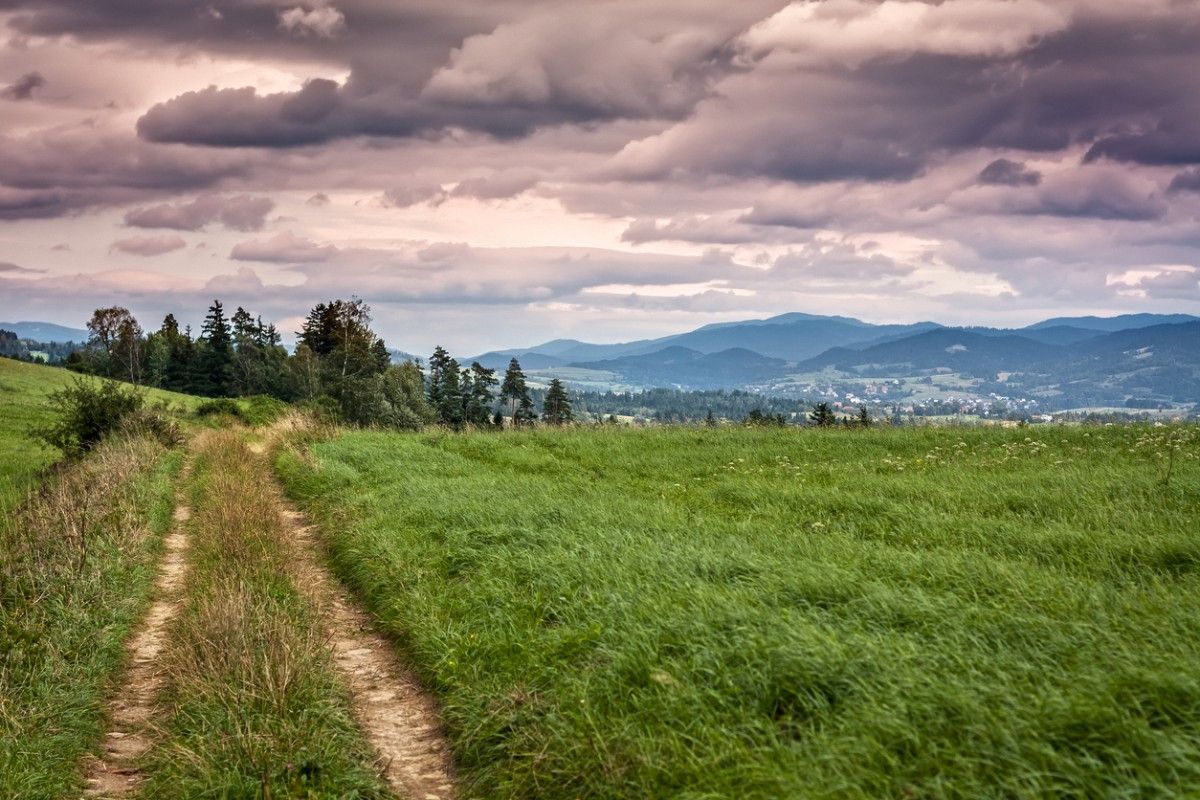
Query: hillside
column 23, row 392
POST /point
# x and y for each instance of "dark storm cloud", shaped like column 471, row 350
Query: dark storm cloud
column 1186, row 181
column 66, row 170
column 23, row 88
column 1005, row 172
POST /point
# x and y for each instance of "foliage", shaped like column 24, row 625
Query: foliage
column 822, row 415
column 85, row 412
column 763, row 612
column 556, row 410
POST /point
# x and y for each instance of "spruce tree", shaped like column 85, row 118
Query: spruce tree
column 479, row 405
column 216, row 355
column 514, row 390
column 822, row 416
column 556, row 409
column 864, row 417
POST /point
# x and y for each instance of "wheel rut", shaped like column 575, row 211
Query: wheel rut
column 399, row 718
column 116, row 773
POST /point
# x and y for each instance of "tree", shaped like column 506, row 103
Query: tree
column 710, row 420
column 216, row 353
column 556, row 409
column 115, row 342
column 513, row 389
column 864, row 417
column 822, row 416
column 479, row 402
column 524, row 415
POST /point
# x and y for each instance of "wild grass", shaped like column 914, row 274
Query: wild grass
column 252, row 706
column 76, row 564
column 704, row 613
column 24, row 389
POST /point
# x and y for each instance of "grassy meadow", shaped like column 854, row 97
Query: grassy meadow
column 703, row 613
column 23, row 392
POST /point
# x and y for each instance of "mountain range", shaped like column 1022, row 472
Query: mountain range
column 1065, row 361
column 45, row 332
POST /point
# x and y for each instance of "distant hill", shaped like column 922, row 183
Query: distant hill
column 45, row 332
column 691, row 369
column 955, row 349
column 1112, row 324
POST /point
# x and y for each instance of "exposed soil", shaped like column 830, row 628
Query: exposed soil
column 398, row 717
column 130, row 712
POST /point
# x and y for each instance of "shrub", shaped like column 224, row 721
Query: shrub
column 261, row 409
column 218, row 406
column 86, row 412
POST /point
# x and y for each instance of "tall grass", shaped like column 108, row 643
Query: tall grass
column 252, row 705
column 742, row 613
column 76, row 564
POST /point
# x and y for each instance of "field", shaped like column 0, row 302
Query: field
column 703, row 613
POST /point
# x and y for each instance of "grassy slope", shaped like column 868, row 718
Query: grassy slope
column 253, row 707
column 713, row 613
column 66, row 607
column 23, row 392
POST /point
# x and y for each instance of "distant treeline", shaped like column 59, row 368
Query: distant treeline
column 12, row 346
column 339, row 365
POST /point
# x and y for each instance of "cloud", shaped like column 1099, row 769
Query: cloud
column 239, row 213
column 1186, row 181
column 405, row 196
column 319, row 199
column 854, row 31
column 12, row 269
column 284, row 248
column 150, row 245
column 1004, row 172
column 325, row 21
column 64, row 170
column 24, row 86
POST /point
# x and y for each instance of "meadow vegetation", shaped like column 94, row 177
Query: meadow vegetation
column 764, row 612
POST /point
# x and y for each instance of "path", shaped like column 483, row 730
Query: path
column 398, row 717
column 130, row 712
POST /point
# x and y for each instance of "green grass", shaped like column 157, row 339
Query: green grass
column 253, row 707
column 697, row 613
column 23, row 392
column 76, row 565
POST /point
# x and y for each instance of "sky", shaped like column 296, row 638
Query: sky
column 496, row 174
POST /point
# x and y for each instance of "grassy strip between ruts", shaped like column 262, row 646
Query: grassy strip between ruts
column 77, row 562
column 697, row 613
column 252, row 706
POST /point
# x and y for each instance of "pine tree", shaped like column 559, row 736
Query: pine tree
column 514, row 390
column 822, row 416
column 556, row 409
column 710, row 420
column 216, row 355
column 479, row 405
column 864, row 417
column 439, row 363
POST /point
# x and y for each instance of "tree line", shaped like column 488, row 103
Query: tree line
column 339, row 365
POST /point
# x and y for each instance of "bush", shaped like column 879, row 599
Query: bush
column 86, row 412
column 263, row 409
column 219, row 406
